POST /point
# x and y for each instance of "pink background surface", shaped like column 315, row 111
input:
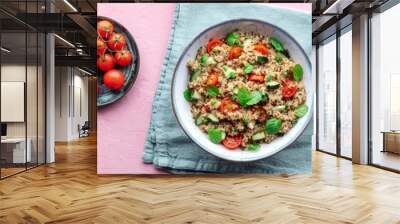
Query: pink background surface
column 122, row 126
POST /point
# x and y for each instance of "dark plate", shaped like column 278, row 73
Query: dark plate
column 106, row 96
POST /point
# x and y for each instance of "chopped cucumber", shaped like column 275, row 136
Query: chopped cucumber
column 215, row 103
column 200, row 120
column 280, row 107
column 278, row 59
column 258, row 136
column 216, row 49
column 195, row 74
column 212, row 118
column 229, row 73
column 211, row 61
column 247, row 42
column 196, row 95
column 273, row 84
column 246, row 120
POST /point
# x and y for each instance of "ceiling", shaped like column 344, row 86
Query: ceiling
column 331, row 15
column 75, row 21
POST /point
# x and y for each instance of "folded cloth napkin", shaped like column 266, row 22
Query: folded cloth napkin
column 167, row 146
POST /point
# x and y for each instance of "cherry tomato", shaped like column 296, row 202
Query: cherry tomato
column 227, row 105
column 261, row 48
column 101, row 46
column 256, row 77
column 114, row 79
column 105, row 62
column 123, row 57
column 212, row 79
column 116, row 42
column 289, row 88
column 232, row 142
column 105, row 28
column 235, row 52
column 213, row 43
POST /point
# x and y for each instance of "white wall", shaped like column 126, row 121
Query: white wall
column 62, row 81
column 16, row 72
column 33, row 127
column 71, row 94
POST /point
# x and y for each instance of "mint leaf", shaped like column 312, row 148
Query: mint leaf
column 252, row 147
column 247, row 98
column 232, row 38
column 187, row 94
column 248, row 68
column 297, row 72
column 243, row 96
column 276, row 44
column 212, row 91
column 273, row 125
column 262, row 59
column 216, row 135
column 203, row 59
column 301, row 110
column 256, row 97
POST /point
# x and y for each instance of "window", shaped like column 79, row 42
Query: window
column 22, row 78
column 327, row 96
column 385, row 89
column 346, row 92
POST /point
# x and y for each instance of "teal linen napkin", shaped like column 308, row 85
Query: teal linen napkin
column 167, row 146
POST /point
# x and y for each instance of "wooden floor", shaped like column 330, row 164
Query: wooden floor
column 69, row 191
column 387, row 159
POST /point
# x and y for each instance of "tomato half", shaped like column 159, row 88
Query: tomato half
column 123, row 57
column 105, row 62
column 289, row 88
column 105, row 28
column 212, row 79
column 256, row 77
column 232, row 142
column 235, row 52
column 213, row 43
column 227, row 105
column 261, row 48
column 101, row 46
column 116, row 42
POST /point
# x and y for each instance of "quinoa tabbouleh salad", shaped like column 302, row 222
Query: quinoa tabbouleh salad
column 245, row 90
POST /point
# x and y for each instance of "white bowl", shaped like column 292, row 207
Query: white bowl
column 181, row 78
